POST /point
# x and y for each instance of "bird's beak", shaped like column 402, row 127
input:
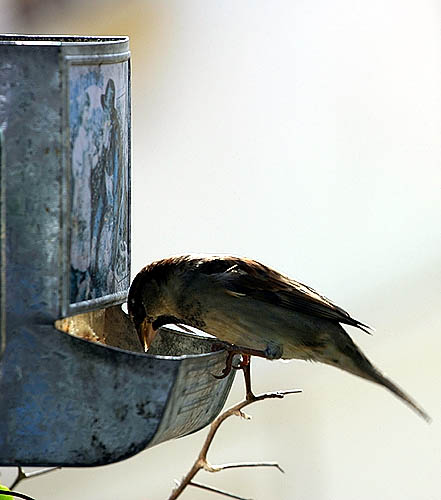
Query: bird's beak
column 146, row 334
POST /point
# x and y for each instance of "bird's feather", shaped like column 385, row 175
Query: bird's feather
column 245, row 277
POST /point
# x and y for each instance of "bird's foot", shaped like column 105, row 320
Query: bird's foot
column 234, row 350
column 229, row 364
column 244, row 365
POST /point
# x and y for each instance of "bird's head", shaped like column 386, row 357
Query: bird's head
column 152, row 301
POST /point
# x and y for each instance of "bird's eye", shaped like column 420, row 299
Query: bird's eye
column 136, row 312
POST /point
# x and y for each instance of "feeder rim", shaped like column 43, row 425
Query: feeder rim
column 158, row 356
column 59, row 40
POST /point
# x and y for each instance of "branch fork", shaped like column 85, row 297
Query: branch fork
column 201, row 463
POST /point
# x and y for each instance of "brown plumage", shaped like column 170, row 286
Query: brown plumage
column 250, row 305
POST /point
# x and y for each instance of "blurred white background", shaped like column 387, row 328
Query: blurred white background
column 307, row 135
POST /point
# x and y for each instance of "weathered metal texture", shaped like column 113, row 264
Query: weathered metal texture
column 65, row 249
column 65, row 117
column 66, row 401
column 2, row 248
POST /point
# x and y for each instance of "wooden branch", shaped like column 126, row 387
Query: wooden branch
column 27, row 475
column 201, row 461
column 217, row 490
column 237, row 465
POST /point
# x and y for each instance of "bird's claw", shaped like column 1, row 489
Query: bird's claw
column 228, row 365
column 244, row 362
column 224, row 374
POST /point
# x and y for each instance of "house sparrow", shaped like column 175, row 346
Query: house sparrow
column 252, row 306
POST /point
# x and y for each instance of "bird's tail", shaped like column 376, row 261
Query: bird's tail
column 381, row 379
column 354, row 361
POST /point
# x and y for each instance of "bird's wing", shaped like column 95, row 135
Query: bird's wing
column 245, row 277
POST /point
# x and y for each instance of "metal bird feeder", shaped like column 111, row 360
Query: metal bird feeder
column 65, row 397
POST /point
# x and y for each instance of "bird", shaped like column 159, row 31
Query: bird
column 254, row 308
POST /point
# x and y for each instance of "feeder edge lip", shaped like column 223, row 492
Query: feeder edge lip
column 144, row 354
column 59, row 40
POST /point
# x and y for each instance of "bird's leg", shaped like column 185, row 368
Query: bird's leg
column 245, row 365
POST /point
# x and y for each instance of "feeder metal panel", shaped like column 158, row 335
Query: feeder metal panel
column 66, row 120
column 65, row 250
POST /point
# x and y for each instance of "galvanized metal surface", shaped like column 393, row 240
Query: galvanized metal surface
column 65, row 121
column 2, row 247
column 65, row 115
column 67, row 401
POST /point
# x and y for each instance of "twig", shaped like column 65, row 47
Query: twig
column 15, row 494
column 20, row 476
column 27, row 475
column 238, row 465
column 216, row 490
column 201, row 461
